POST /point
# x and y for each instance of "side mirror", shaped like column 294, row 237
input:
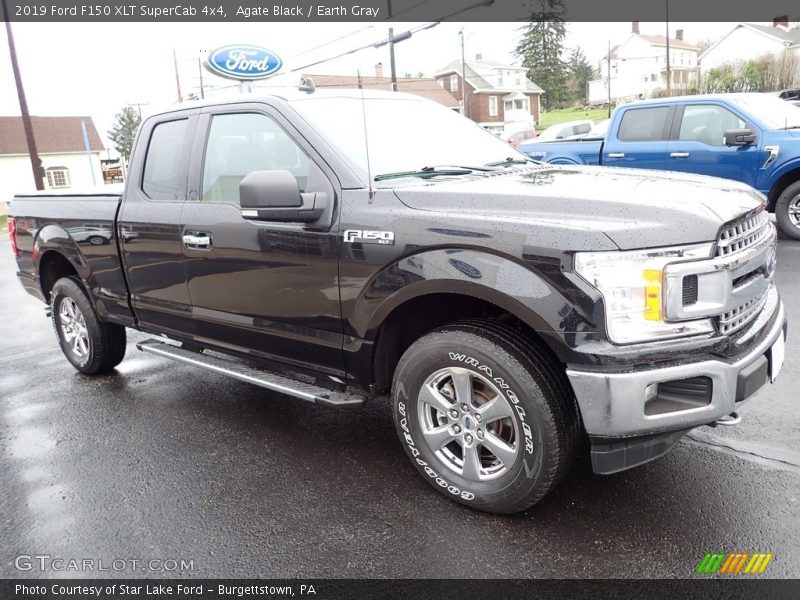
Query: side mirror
column 739, row 137
column 275, row 196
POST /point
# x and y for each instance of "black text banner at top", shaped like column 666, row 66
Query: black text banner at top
column 401, row 10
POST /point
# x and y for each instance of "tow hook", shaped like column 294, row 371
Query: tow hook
column 728, row 420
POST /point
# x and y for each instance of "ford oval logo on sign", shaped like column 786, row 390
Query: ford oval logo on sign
column 244, row 62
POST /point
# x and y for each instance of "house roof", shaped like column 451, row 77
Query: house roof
column 778, row 34
column 419, row 86
column 660, row 40
column 476, row 72
column 52, row 134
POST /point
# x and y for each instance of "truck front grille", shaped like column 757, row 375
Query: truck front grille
column 740, row 316
column 744, row 233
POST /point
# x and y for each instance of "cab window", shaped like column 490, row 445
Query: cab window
column 240, row 143
column 707, row 123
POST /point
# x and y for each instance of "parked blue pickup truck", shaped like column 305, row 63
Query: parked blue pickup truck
column 753, row 138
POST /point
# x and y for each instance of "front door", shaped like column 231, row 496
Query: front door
column 699, row 145
column 266, row 288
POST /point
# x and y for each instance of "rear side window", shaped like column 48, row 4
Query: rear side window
column 162, row 167
column 644, row 124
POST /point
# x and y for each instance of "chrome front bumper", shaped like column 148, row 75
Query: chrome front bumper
column 613, row 404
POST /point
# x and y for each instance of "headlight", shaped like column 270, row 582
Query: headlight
column 632, row 285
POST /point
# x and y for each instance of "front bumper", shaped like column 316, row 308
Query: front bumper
column 613, row 405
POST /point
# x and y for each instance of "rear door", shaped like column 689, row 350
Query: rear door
column 698, row 143
column 270, row 289
column 640, row 140
column 149, row 223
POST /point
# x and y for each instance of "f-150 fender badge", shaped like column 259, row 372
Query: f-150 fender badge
column 366, row 236
column 243, row 62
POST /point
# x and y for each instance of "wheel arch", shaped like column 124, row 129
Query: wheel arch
column 413, row 295
column 792, row 175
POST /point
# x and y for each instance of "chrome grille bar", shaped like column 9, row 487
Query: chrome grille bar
column 743, row 234
column 739, row 317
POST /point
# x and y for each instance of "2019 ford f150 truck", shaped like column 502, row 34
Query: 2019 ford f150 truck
column 338, row 246
column 752, row 138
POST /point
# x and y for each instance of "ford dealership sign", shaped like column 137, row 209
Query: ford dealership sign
column 244, row 62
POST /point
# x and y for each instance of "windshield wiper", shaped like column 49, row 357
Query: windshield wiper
column 426, row 172
column 508, row 162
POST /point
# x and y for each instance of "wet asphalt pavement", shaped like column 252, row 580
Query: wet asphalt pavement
column 163, row 461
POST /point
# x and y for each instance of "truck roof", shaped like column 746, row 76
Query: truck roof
column 289, row 94
column 695, row 98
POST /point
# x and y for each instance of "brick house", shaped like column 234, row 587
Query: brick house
column 419, row 86
column 499, row 96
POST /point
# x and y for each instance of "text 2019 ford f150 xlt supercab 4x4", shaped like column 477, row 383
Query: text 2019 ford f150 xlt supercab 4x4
column 341, row 246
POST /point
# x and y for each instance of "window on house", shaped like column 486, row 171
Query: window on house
column 652, row 76
column 492, row 106
column 57, row 177
column 518, row 81
column 508, row 105
column 453, row 83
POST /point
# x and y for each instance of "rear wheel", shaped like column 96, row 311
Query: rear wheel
column 486, row 417
column 91, row 345
column 787, row 211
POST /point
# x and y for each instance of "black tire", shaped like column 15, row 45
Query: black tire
column 105, row 343
column 546, row 425
column 789, row 198
column 97, row 240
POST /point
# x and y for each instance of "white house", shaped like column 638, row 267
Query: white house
column 61, row 147
column 639, row 67
column 746, row 41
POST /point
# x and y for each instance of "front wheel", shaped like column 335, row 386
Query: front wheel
column 487, row 417
column 90, row 345
column 787, row 211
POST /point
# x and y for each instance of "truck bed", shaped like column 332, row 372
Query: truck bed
column 82, row 227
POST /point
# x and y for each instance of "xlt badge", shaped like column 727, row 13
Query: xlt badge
column 366, row 236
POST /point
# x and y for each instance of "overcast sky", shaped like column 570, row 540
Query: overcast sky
column 96, row 68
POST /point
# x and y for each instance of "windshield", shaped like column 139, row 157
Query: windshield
column 405, row 134
column 771, row 110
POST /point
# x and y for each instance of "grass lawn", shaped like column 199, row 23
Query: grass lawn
column 554, row 117
column 3, row 219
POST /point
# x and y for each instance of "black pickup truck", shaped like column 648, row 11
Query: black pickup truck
column 342, row 246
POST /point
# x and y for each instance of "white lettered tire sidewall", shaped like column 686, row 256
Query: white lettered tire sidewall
column 529, row 478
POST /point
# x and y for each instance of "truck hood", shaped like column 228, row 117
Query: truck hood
column 635, row 208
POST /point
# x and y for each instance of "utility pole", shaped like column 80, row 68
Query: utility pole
column 391, row 59
column 608, row 68
column 36, row 163
column 463, row 76
column 200, row 70
column 669, row 73
column 177, row 77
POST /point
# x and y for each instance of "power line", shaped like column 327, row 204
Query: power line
column 329, row 42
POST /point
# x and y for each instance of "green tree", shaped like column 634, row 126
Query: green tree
column 579, row 74
column 122, row 134
column 541, row 48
